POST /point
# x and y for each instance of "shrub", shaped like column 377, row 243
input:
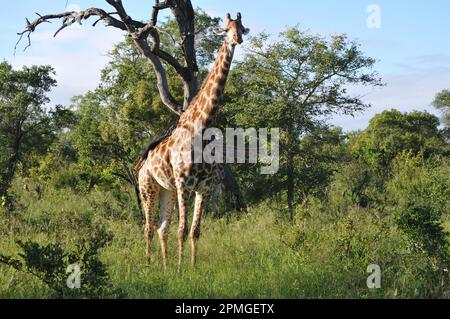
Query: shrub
column 419, row 197
column 49, row 263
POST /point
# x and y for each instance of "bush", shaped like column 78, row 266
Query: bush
column 419, row 194
column 419, row 197
column 49, row 263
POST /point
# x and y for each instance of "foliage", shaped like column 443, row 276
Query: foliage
column 206, row 41
column 442, row 103
column 420, row 191
column 393, row 132
column 49, row 263
column 354, row 181
column 362, row 177
column 293, row 83
column 379, row 196
column 26, row 128
column 259, row 255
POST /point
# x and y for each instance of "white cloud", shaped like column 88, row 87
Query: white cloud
column 76, row 73
column 77, row 54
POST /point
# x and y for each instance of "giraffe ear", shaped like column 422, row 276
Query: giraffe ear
column 219, row 31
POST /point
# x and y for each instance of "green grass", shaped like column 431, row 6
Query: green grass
column 259, row 255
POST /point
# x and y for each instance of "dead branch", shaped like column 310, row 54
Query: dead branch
column 68, row 18
column 138, row 31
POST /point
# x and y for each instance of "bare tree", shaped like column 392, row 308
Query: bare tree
column 146, row 37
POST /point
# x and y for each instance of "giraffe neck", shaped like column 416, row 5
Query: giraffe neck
column 205, row 105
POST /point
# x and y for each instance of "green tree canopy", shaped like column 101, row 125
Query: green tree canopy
column 26, row 127
column 294, row 83
column 392, row 132
column 442, row 102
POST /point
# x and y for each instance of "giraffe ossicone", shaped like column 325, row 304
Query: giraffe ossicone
column 167, row 173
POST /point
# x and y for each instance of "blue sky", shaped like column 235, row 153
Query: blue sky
column 412, row 46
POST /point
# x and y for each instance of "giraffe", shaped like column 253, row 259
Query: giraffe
column 167, row 174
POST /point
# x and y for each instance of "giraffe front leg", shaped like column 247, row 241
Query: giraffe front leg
column 182, row 226
column 195, row 228
column 167, row 203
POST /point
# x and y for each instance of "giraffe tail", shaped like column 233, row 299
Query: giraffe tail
column 139, row 165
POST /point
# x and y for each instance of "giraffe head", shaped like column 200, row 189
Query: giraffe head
column 234, row 30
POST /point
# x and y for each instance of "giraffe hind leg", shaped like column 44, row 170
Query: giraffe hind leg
column 182, row 222
column 195, row 228
column 167, row 204
column 149, row 190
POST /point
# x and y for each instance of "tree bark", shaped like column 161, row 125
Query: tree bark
column 290, row 186
column 233, row 195
column 291, row 144
column 185, row 16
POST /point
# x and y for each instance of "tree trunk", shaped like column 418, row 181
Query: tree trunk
column 185, row 16
column 232, row 192
column 291, row 143
column 290, row 186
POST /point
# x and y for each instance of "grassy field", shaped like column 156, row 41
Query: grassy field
column 259, row 255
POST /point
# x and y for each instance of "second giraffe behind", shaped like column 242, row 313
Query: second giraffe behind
column 168, row 174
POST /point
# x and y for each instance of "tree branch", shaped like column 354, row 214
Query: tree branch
column 185, row 17
column 161, row 77
column 69, row 18
column 137, row 30
column 151, row 30
column 159, row 6
column 126, row 19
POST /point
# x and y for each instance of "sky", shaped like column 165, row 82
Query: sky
column 409, row 40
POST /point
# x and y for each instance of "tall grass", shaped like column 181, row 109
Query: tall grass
column 324, row 254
